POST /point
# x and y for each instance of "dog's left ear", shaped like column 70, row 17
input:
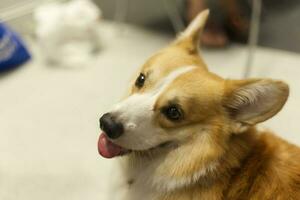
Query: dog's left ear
column 254, row 100
column 189, row 39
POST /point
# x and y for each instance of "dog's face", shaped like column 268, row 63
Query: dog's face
column 163, row 100
column 175, row 101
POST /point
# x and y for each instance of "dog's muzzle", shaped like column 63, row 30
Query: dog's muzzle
column 110, row 126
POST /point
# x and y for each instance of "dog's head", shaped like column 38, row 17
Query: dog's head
column 175, row 101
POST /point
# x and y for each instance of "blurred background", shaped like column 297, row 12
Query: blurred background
column 64, row 63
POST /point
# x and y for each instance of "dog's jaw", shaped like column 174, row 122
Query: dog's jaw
column 108, row 149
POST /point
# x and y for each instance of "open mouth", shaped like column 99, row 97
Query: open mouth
column 108, row 149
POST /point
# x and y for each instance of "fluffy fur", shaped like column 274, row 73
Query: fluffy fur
column 214, row 151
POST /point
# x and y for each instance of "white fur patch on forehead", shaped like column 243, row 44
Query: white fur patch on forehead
column 148, row 99
column 165, row 82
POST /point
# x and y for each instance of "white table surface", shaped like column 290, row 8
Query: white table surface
column 49, row 115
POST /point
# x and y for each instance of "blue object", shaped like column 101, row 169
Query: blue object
column 13, row 52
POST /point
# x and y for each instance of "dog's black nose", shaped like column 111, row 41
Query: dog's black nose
column 112, row 128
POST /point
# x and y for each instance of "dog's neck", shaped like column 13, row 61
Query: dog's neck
column 208, row 175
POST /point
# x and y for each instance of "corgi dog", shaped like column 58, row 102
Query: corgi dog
column 185, row 133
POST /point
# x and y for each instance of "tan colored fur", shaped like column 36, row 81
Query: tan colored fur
column 216, row 152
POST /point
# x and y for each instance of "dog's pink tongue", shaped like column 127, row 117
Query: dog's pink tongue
column 106, row 148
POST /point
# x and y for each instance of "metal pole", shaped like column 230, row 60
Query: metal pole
column 253, row 36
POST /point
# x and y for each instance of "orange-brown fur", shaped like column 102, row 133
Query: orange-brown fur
column 255, row 167
column 247, row 163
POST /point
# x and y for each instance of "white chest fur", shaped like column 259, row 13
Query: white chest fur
column 139, row 181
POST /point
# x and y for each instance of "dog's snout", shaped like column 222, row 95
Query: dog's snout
column 110, row 126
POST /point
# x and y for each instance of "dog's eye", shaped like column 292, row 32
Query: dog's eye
column 140, row 80
column 172, row 113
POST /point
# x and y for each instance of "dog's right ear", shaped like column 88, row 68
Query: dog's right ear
column 252, row 101
column 189, row 39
